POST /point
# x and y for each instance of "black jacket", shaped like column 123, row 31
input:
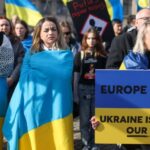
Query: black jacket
column 1, row 38
column 120, row 46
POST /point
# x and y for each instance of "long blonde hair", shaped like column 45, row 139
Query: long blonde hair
column 140, row 46
column 59, row 44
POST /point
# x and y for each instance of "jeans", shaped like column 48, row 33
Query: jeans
column 87, row 105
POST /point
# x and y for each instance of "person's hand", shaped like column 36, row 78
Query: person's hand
column 10, row 81
column 95, row 123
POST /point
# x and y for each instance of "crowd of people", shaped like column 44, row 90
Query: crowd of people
column 42, row 73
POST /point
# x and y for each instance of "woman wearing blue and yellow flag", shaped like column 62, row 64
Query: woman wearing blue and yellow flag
column 139, row 58
column 6, row 66
column 39, row 116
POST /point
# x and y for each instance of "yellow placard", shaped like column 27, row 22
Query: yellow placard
column 123, row 126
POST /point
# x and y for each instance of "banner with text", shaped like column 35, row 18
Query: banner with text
column 91, row 13
column 123, row 106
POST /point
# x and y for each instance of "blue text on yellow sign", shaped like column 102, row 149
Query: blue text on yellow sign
column 123, row 106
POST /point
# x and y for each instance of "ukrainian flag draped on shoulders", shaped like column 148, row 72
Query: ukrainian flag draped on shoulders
column 135, row 61
column 39, row 116
column 24, row 9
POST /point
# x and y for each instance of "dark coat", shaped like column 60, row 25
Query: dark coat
column 120, row 47
column 1, row 38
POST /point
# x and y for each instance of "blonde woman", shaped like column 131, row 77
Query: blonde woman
column 139, row 58
column 42, row 116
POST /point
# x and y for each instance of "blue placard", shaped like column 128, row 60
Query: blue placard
column 122, row 89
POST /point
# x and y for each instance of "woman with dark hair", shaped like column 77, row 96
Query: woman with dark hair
column 22, row 31
column 91, row 57
column 42, row 116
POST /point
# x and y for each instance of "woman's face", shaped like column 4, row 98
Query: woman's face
column 91, row 40
column 4, row 26
column 147, row 39
column 49, row 33
column 67, row 34
column 20, row 31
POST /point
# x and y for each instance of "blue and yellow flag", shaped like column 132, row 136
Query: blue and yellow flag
column 142, row 4
column 115, row 9
column 39, row 116
column 134, row 61
column 24, row 9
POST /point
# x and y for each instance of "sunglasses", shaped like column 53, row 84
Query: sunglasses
column 67, row 33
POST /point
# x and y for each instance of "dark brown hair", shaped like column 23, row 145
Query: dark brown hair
column 13, row 38
column 25, row 26
column 10, row 24
column 99, row 48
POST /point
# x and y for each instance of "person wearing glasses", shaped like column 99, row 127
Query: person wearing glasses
column 70, row 40
column 121, row 44
column 138, row 58
column 74, row 46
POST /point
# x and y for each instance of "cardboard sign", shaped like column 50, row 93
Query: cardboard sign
column 123, row 106
column 91, row 13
